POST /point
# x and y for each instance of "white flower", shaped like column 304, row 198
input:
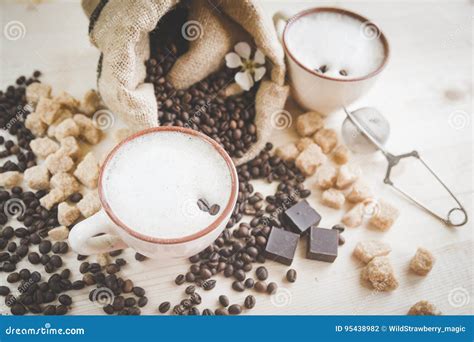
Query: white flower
column 251, row 70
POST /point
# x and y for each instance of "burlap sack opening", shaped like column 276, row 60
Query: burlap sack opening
column 120, row 30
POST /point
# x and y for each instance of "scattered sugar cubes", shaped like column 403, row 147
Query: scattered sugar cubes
column 326, row 138
column 347, row 175
column 422, row 262
column 287, row 152
column 303, row 143
column 67, row 214
column 308, row 123
column 384, row 216
column 333, row 198
column 340, row 155
column 359, row 192
column 379, row 273
column 90, row 204
column 10, row 179
column 37, row 177
column 58, row 162
column 354, row 217
column 365, row 251
column 326, row 176
column 43, row 147
column 310, row 159
column 88, row 171
column 424, row 308
column 36, row 90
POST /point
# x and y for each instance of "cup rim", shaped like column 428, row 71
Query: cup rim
column 359, row 17
column 168, row 241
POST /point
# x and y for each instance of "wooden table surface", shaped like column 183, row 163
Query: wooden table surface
column 425, row 92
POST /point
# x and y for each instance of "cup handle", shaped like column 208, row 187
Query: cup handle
column 280, row 20
column 83, row 239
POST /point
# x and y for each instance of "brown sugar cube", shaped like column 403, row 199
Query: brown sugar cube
column 55, row 196
column 340, row 155
column 34, row 123
column 48, row 110
column 51, row 131
column 88, row 171
column 37, row 177
column 384, row 217
column 10, row 179
column 310, row 159
column 90, row 204
column 63, row 114
column 424, row 308
column 287, row 152
column 67, row 214
column 379, row 273
column 66, row 100
column 43, row 147
column 35, row 91
column 422, row 262
column 88, row 131
column 303, row 143
column 58, row 162
column 326, row 176
column 66, row 182
column 365, row 251
column 90, row 103
column 347, row 175
column 354, row 217
column 326, row 138
column 309, row 123
column 69, row 147
column 333, row 198
column 60, row 233
column 360, row 191
column 67, row 128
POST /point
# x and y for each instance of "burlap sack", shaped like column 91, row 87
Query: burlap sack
column 119, row 29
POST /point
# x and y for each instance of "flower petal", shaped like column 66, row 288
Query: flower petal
column 243, row 50
column 244, row 80
column 259, row 57
column 233, row 60
column 258, row 73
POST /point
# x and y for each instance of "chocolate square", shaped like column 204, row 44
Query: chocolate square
column 300, row 217
column 281, row 246
column 322, row 244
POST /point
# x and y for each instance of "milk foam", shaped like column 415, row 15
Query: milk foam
column 338, row 41
column 152, row 184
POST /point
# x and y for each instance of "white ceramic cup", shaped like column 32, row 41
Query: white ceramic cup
column 117, row 235
column 316, row 91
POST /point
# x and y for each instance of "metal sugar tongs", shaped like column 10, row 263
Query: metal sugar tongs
column 369, row 123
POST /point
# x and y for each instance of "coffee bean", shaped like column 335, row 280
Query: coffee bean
column 194, row 311
column 178, row 310
column 205, row 273
column 249, row 283
column 18, row 309
column 180, row 279
column 339, row 227
column 44, row 246
column 221, row 312
column 261, row 273
column 260, row 286
column 249, row 302
column 238, row 286
column 129, row 302
column 112, row 268
column 209, row 284
column 214, row 210
column 84, row 267
column 138, row 291
column 78, row 285
column 4, row 290
column 142, row 301
column 207, row 312
column 239, row 275
column 49, row 310
column 164, row 307
column 140, row 257
column 121, row 262
column 224, row 300
column 272, row 288
column 196, row 298
column 235, row 309
column 65, row 300
column 291, row 275
column 75, row 197
column 25, row 274
column 203, row 204
column 13, row 277
column 342, row 240
column 190, row 289
column 34, row 258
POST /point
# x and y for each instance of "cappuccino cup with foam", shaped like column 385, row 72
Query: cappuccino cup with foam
column 149, row 188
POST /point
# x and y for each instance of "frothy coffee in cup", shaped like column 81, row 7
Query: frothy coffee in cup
column 153, row 184
column 336, row 45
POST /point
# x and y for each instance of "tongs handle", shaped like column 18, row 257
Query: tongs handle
column 394, row 160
